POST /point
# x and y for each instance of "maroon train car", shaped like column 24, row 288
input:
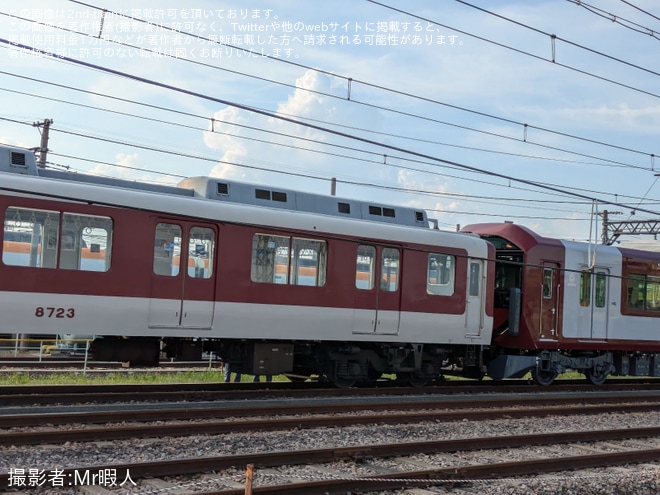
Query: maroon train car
column 562, row 304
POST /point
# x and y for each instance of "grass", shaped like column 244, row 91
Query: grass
column 114, row 377
column 129, row 377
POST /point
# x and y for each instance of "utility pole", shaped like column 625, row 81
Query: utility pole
column 604, row 234
column 43, row 151
column 613, row 230
column 43, row 148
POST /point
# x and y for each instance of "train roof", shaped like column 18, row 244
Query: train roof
column 519, row 237
column 61, row 187
column 525, row 239
column 20, row 161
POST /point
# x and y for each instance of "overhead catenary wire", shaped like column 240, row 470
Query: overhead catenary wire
column 399, row 166
column 626, row 23
column 641, row 10
column 473, row 198
column 279, row 117
column 562, row 150
column 262, row 130
column 290, row 136
column 416, row 191
column 390, row 155
column 520, row 51
column 352, row 81
column 555, row 37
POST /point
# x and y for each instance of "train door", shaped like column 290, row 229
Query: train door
column 592, row 314
column 549, row 307
column 183, row 277
column 378, row 295
column 475, row 300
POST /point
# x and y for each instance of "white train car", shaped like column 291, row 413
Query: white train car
column 346, row 289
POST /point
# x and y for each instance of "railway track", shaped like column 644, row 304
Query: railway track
column 77, row 394
column 317, row 415
column 249, row 427
column 543, row 462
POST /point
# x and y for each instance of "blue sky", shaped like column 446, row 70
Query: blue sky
column 442, row 79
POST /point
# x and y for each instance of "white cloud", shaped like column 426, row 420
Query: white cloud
column 240, row 145
column 130, row 167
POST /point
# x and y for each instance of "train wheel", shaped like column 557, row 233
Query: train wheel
column 416, row 380
column 344, row 382
column 544, row 377
column 595, row 377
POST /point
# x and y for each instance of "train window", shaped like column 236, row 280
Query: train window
column 585, row 289
column 85, row 243
column 270, row 259
column 287, row 260
column 34, row 238
column 636, row 291
column 475, row 278
column 365, row 267
column 440, row 274
column 31, row 237
column 167, row 249
column 308, row 262
column 201, row 245
column 389, row 270
column 653, row 293
column 601, row 289
column 644, row 293
column 548, row 274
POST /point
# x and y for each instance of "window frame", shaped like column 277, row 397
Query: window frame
column 59, row 241
column 439, row 287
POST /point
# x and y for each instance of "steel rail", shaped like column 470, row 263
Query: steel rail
column 188, row 466
column 451, row 476
column 273, row 424
column 63, row 394
column 140, row 413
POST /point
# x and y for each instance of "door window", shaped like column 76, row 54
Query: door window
column 167, row 249
column 548, row 275
column 475, row 278
column 201, row 246
column 365, row 267
column 601, row 289
column 389, row 271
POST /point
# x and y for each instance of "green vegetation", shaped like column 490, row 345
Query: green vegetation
column 34, row 377
column 115, row 377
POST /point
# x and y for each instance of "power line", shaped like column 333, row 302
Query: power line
column 410, row 138
column 524, row 126
column 316, row 127
column 471, row 198
column 628, row 24
column 559, row 38
column 456, row 195
column 346, row 182
column 520, row 51
column 641, row 10
column 288, row 136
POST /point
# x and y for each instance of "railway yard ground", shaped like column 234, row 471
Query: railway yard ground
column 282, row 438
